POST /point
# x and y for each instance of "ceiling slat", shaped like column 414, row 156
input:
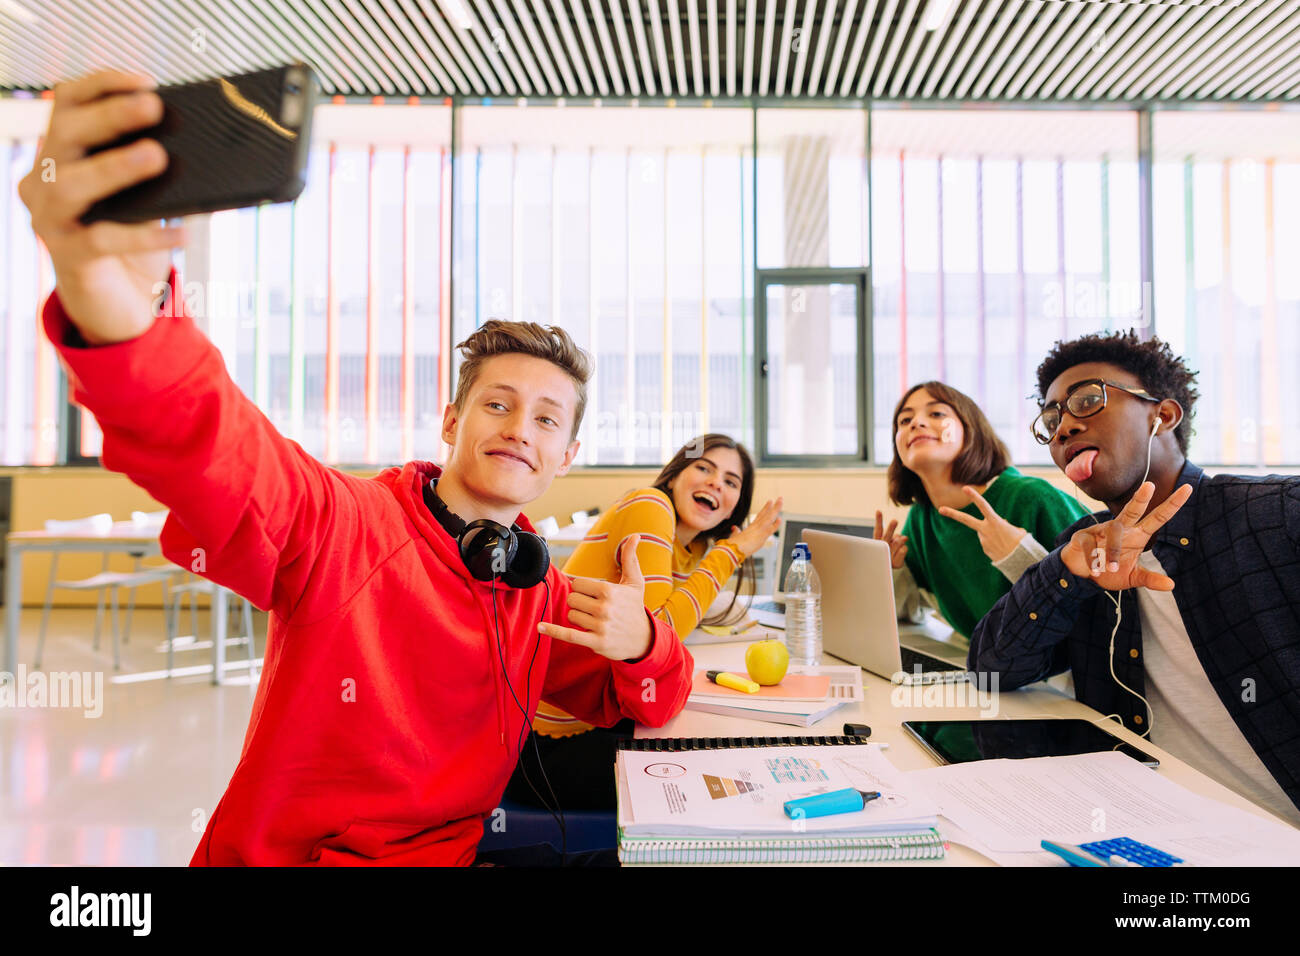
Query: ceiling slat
column 1285, row 55
column 1218, row 22
column 783, row 54
column 1114, row 44
column 1027, row 14
column 905, row 67
column 805, row 44
column 747, row 77
column 908, row 20
column 984, row 38
column 554, row 51
column 1068, row 46
column 534, row 46
column 610, row 58
column 841, row 42
column 485, row 77
column 1049, row 51
column 1247, row 49
column 624, row 49
column 1042, row 23
column 952, row 42
column 661, row 50
column 765, row 58
column 643, row 50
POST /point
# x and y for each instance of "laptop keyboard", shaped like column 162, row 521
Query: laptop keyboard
column 772, row 607
column 929, row 665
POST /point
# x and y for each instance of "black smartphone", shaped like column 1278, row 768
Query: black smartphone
column 231, row 142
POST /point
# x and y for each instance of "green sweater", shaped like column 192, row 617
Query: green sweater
column 945, row 556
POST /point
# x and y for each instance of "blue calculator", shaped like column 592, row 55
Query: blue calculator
column 1138, row 854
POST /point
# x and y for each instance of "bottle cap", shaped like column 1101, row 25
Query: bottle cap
column 801, row 549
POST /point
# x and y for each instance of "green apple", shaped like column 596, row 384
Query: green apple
column 767, row 661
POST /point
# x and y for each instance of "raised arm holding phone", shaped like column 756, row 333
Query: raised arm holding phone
column 399, row 681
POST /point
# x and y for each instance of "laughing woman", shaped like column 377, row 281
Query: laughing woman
column 691, row 544
column 976, row 524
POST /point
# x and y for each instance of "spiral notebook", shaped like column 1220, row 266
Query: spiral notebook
column 720, row 800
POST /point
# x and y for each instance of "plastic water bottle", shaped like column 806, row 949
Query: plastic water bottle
column 803, row 608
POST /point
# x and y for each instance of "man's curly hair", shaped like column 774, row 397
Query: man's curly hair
column 1162, row 373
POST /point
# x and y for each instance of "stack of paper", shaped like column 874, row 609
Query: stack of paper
column 1004, row 808
column 727, row 805
column 777, row 705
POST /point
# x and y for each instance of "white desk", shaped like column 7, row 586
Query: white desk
column 881, row 711
column 124, row 536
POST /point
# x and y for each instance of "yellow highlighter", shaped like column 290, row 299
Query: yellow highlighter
column 723, row 679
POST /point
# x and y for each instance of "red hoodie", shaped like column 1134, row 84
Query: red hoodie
column 385, row 725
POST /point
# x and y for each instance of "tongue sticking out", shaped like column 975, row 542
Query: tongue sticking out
column 1080, row 467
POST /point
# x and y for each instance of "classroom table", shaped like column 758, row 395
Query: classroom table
column 123, row 537
column 881, row 711
column 561, row 544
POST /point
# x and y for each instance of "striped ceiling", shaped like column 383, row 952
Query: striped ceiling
column 1026, row 50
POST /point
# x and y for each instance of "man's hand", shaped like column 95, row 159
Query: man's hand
column 612, row 616
column 1108, row 552
column 897, row 542
column 105, row 273
column 998, row 536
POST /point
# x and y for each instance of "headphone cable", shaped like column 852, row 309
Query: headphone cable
column 557, row 813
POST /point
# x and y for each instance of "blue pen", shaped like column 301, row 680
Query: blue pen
column 825, row 804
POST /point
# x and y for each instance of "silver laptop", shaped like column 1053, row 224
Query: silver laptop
column 859, row 620
column 770, row 612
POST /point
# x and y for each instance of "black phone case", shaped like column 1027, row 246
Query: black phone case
column 226, row 148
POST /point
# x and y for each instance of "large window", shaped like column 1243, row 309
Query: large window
column 632, row 229
column 30, row 396
column 987, row 235
column 996, row 233
column 330, row 311
column 1227, row 240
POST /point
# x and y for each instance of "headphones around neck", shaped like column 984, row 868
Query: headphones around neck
column 491, row 551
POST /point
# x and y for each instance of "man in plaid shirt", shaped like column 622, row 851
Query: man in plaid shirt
column 1177, row 610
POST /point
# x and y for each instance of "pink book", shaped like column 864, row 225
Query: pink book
column 810, row 687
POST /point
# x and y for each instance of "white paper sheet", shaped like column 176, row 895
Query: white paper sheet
column 1009, row 806
column 742, row 791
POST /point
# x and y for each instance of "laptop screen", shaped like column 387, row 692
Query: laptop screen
column 792, row 534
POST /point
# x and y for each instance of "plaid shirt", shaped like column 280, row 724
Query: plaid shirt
column 1233, row 551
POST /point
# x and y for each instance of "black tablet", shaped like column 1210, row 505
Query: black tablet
column 958, row 741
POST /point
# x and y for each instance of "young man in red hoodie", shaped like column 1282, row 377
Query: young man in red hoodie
column 397, row 685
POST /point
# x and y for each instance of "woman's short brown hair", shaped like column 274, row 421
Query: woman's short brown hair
column 983, row 455
column 497, row 337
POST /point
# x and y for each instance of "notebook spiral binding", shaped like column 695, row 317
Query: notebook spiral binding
column 881, row 849
column 672, row 744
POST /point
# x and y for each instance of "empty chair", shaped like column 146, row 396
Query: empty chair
column 107, row 584
column 194, row 587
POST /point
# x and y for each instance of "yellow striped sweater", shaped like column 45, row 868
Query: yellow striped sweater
column 680, row 582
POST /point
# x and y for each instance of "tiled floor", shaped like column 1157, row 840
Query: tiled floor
column 135, row 784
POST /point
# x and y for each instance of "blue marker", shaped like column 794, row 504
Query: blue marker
column 825, row 804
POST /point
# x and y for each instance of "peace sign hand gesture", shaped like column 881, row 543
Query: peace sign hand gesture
column 1108, row 552
column 897, row 542
column 998, row 536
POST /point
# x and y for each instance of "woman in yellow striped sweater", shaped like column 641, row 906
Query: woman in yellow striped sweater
column 691, row 544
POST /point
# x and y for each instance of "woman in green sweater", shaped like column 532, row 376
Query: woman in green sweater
column 976, row 524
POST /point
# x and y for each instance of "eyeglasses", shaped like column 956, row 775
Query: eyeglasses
column 1084, row 400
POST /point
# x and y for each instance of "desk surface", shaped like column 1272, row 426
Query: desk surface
column 886, row 707
column 122, row 531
